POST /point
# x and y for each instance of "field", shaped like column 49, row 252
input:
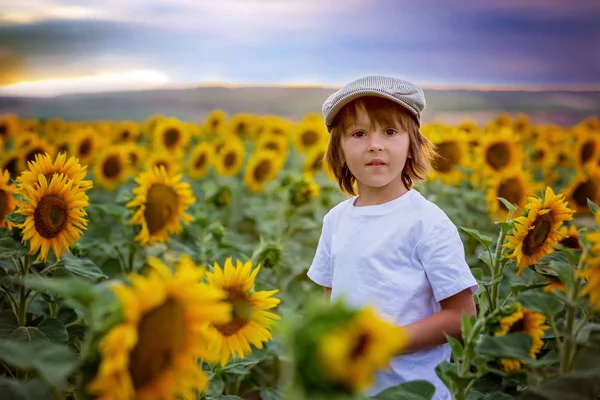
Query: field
column 166, row 257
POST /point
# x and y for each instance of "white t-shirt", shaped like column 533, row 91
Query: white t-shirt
column 402, row 257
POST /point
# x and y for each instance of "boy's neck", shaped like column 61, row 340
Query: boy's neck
column 372, row 196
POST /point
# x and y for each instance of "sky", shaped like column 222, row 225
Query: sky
column 50, row 47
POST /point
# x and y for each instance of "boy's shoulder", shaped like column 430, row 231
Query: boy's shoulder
column 339, row 208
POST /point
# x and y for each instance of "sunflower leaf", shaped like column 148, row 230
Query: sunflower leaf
column 32, row 389
column 511, row 346
column 413, row 390
column 544, row 303
column 510, row 206
column 78, row 292
column 54, row 330
column 593, row 207
column 83, row 267
column 483, row 239
column 505, row 226
column 53, row 362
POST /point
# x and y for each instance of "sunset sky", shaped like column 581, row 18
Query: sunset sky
column 65, row 46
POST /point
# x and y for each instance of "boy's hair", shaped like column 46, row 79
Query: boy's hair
column 386, row 113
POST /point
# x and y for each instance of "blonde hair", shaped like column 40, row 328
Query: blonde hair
column 386, row 113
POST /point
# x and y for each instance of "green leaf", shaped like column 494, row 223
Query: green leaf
column 28, row 334
column 54, row 330
column 33, row 389
column 270, row 394
column 593, row 206
column 83, row 267
column 413, row 390
column 483, row 239
column 513, row 346
column 545, row 303
column 456, row 346
column 485, row 257
column 8, row 323
column 10, row 248
column 79, row 293
column 52, row 362
column 505, row 226
column 568, row 386
column 522, row 287
column 510, row 206
column 583, row 336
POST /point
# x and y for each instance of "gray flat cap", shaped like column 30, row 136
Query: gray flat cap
column 400, row 91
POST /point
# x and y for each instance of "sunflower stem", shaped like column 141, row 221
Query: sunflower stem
column 569, row 349
column 132, row 251
column 497, row 270
column 13, row 302
column 23, row 293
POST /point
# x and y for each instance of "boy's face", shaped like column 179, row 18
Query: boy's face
column 375, row 155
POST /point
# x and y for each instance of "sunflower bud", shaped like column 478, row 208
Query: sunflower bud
column 217, row 231
column 303, row 191
column 268, row 255
column 222, row 198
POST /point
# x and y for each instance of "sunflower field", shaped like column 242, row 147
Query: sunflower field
column 165, row 259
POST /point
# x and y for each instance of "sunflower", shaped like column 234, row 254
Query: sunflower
column 277, row 143
column 36, row 147
column 9, row 125
column 215, row 122
column 241, row 125
column 201, row 158
column 24, row 140
column 452, row 149
column 542, row 156
column 150, row 125
column 54, row 127
column 55, row 215
column 571, row 237
column 85, row 142
column 170, row 136
column 153, row 353
column 10, row 162
column 500, row 151
column 522, row 321
column 28, row 126
column 136, row 154
column 7, row 200
column 126, row 132
column 592, row 272
column 354, row 352
column 308, row 135
column 160, row 203
column 587, row 150
column 584, row 186
column 314, row 161
column 230, row 158
column 514, row 186
column 536, row 233
column 262, row 168
column 303, row 191
column 251, row 323
column 43, row 164
column 112, row 167
column 163, row 159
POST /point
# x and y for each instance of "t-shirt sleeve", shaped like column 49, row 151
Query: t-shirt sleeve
column 320, row 269
column 442, row 255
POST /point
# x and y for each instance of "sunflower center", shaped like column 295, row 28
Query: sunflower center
column 161, row 338
column 309, row 138
column 200, row 161
column 262, row 170
column 536, row 238
column 133, row 158
column 214, row 124
column 241, row 128
column 85, row 148
column 171, row 137
column 4, row 196
column 571, row 242
column 449, row 155
column 112, row 167
column 271, row 146
column 50, row 216
column 587, row 151
column 562, row 158
column 240, row 313
column 585, row 190
column 498, row 156
column 125, row 135
column 362, row 341
column 161, row 207
column 318, row 162
column 33, row 152
column 538, row 155
column 518, row 326
column 11, row 166
column 510, row 190
column 63, row 148
column 230, row 159
column 3, row 130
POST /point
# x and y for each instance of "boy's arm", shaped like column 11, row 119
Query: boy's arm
column 429, row 331
column 328, row 293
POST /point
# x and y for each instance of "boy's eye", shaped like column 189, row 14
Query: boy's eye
column 358, row 134
column 390, row 132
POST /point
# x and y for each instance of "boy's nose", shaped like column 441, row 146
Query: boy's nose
column 375, row 142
